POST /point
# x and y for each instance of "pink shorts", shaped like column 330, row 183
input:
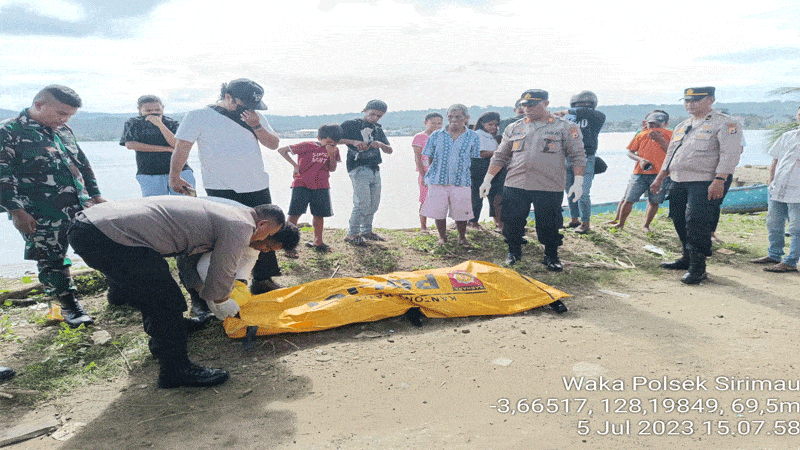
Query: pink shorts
column 423, row 188
column 440, row 199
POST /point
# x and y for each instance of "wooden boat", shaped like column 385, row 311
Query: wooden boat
column 743, row 199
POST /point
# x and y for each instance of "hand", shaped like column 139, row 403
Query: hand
column 224, row 309
column 716, row 190
column 296, row 171
column 577, row 189
column 361, row 146
column 643, row 163
column 658, row 138
column 486, row 186
column 155, row 120
column 560, row 113
column 23, row 221
column 655, row 187
column 180, row 186
column 251, row 118
column 375, row 144
column 96, row 200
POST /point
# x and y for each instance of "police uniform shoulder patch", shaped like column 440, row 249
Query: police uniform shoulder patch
column 733, row 128
column 574, row 132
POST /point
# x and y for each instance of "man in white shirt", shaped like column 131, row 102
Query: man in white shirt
column 228, row 134
column 784, row 203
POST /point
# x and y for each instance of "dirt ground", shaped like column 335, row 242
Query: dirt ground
column 657, row 361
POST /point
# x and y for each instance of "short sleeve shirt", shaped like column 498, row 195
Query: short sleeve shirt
column 420, row 139
column 650, row 150
column 361, row 130
column 137, row 129
column 699, row 149
column 312, row 162
column 786, row 185
column 450, row 159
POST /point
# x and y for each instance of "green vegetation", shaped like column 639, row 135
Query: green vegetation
column 53, row 359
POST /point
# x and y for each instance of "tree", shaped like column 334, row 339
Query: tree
column 779, row 129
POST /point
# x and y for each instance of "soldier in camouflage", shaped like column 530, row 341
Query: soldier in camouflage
column 45, row 179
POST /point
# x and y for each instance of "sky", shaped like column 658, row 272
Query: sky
column 333, row 56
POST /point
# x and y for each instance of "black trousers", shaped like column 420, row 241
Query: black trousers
column 547, row 214
column 694, row 216
column 267, row 264
column 477, row 171
column 139, row 277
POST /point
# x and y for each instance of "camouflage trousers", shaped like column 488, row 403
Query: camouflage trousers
column 48, row 247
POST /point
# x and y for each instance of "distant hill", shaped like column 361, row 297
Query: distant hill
column 754, row 115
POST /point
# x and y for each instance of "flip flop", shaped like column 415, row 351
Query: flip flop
column 292, row 254
column 324, row 248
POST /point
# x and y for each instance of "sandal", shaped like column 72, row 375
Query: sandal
column 780, row 268
column 355, row 240
column 372, row 236
column 324, row 248
column 292, row 254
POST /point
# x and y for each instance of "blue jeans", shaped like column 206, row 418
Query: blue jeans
column 159, row 184
column 778, row 213
column 366, row 198
column 583, row 207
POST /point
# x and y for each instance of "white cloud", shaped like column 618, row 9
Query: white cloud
column 414, row 55
column 58, row 9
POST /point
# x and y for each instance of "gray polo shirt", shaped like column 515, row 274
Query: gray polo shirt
column 173, row 225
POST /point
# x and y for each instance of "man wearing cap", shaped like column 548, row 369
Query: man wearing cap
column 648, row 148
column 228, row 135
column 365, row 141
column 535, row 149
column 701, row 158
column 45, row 178
column 127, row 241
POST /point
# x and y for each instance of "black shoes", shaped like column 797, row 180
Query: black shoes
column 553, row 264
column 512, row 259
column 190, row 375
column 6, row 373
column 72, row 311
column 559, row 306
column 678, row 264
column 262, row 286
column 697, row 269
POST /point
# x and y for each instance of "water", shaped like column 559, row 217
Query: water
column 115, row 169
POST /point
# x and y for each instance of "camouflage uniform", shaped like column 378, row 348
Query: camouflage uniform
column 44, row 172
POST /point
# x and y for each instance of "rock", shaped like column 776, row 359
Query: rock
column 101, row 337
column 502, row 362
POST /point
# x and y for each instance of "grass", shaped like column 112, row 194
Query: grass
column 51, row 360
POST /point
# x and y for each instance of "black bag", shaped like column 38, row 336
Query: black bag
column 600, row 166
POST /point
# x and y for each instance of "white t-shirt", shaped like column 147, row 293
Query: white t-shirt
column 230, row 155
column 488, row 142
column 786, row 185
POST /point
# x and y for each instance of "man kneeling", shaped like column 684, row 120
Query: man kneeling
column 128, row 240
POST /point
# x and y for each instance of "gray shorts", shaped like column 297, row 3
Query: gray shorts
column 639, row 184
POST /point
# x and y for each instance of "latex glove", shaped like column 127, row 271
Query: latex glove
column 486, row 185
column 576, row 189
column 228, row 308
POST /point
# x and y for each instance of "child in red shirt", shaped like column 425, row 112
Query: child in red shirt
column 315, row 162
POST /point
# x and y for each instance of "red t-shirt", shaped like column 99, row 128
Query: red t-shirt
column 650, row 150
column 312, row 162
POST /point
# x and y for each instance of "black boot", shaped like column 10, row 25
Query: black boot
column 200, row 307
column 6, row 373
column 174, row 374
column 679, row 264
column 697, row 269
column 72, row 311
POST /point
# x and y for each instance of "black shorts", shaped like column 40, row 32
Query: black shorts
column 319, row 199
